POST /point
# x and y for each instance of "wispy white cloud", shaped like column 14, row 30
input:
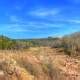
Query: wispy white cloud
column 14, row 28
column 74, row 21
column 44, row 12
column 42, row 25
column 29, row 27
column 48, row 25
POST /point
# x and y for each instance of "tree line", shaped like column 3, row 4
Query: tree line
column 69, row 43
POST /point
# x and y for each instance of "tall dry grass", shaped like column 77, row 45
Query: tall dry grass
column 44, row 63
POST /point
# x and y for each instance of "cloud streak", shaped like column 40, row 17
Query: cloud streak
column 44, row 12
column 75, row 21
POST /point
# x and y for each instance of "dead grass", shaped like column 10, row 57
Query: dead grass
column 45, row 63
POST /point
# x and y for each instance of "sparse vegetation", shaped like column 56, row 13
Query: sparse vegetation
column 42, row 58
column 45, row 65
column 70, row 43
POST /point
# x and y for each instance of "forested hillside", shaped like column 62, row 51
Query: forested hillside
column 8, row 43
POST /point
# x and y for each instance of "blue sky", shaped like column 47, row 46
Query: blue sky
column 39, row 18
